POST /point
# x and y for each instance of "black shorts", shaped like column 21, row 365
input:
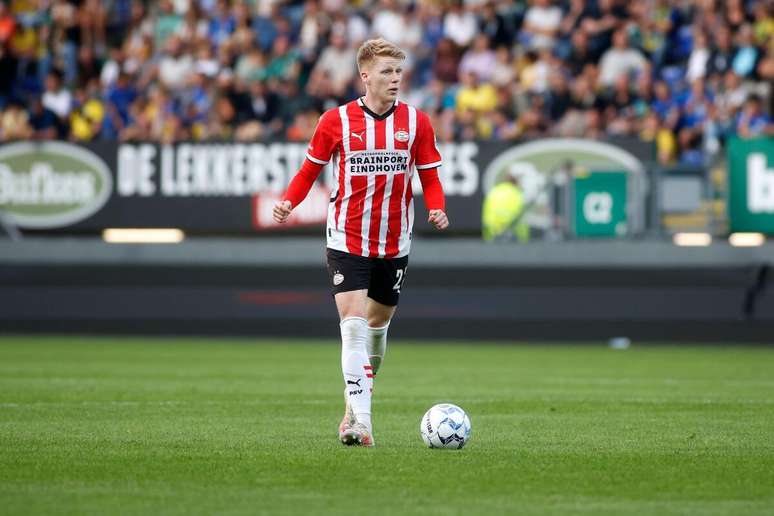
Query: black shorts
column 382, row 277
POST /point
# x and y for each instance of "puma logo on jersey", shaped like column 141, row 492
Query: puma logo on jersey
column 358, row 136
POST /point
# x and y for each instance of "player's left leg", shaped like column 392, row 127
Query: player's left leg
column 387, row 278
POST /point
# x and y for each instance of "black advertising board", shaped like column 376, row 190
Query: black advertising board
column 229, row 188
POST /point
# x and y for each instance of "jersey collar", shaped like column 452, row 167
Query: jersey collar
column 373, row 115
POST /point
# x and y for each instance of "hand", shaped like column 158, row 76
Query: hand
column 439, row 219
column 282, row 211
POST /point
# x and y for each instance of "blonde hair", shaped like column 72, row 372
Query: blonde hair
column 374, row 48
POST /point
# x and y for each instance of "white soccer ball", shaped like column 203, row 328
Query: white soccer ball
column 445, row 426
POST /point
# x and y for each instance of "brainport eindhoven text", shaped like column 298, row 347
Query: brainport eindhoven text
column 376, row 162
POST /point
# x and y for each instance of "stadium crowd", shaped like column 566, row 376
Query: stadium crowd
column 684, row 74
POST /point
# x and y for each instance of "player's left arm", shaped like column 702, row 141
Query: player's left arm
column 434, row 198
column 428, row 159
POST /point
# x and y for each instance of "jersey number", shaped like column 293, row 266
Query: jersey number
column 400, row 276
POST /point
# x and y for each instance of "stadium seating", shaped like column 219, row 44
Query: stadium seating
column 186, row 69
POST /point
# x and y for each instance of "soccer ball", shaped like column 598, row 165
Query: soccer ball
column 445, row 426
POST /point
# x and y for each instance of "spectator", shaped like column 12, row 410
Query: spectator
column 335, row 69
column 111, row 68
column 479, row 59
column 503, row 71
column 541, row 24
column 222, row 24
column 388, row 22
column 121, row 95
column 175, row 66
column 763, row 27
column 697, row 61
column 87, row 116
column 14, row 123
column 558, row 99
column 56, row 97
column 7, row 24
column 168, row 22
column 475, row 97
column 600, row 22
column 493, row 25
column 752, row 121
column 251, row 66
column 265, row 105
column 580, row 54
column 746, row 56
column 621, row 60
column 284, row 63
column 723, row 53
column 460, row 24
column 43, row 121
column 447, row 61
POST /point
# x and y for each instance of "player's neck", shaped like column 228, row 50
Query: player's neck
column 377, row 106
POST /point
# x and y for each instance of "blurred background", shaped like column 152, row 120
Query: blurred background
column 608, row 165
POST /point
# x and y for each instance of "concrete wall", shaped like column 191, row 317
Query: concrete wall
column 454, row 289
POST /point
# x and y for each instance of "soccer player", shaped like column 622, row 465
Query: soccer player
column 375, row 142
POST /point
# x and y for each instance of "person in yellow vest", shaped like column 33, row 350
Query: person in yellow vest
column 502, row 217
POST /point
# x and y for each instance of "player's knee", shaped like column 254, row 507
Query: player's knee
column 347, row 310
column 378, row 320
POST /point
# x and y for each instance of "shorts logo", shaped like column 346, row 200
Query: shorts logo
column 338, row 279
column 402, row 136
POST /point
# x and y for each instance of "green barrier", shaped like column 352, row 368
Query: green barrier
column 600, row 204
column 751, row 184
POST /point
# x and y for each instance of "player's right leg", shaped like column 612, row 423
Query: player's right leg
column 350, row 276
column 357, row 371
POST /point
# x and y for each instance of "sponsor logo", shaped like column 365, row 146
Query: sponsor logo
column 51, row 184
column 358, row 136
column 760, row 184
column 209, row 170
column 377, row 162
column 402, row 136
column 598, row 207
column 338, row 279
column 542, row 164
column 355, row 393
column 350, row 382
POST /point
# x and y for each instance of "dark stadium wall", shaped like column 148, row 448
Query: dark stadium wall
column 507, row 303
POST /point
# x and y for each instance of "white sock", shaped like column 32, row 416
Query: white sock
column 377, row 345
column 358, row 378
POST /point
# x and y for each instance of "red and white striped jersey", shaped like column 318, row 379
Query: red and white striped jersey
column 372, row 208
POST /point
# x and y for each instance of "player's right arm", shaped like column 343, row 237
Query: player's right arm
column 326, row 137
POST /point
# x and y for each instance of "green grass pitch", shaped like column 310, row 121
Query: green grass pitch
column 218, row 426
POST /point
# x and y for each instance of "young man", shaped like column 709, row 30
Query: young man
column 375, row 142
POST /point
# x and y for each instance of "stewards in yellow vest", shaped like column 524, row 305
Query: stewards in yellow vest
column 502, row 217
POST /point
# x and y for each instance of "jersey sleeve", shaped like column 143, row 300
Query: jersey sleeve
column 327, row 135
column 427, row 155
column 433, row 191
